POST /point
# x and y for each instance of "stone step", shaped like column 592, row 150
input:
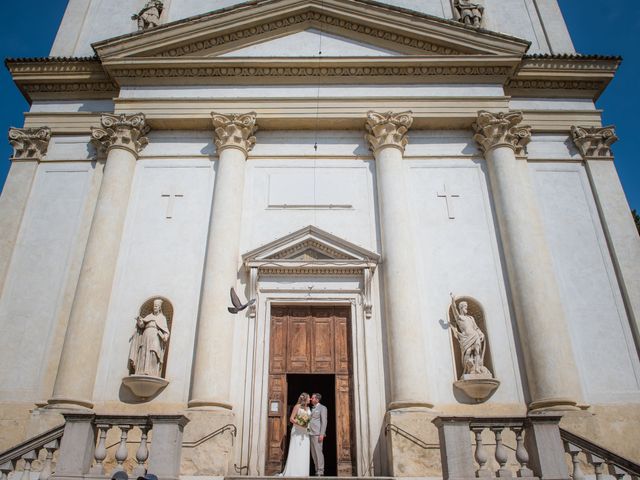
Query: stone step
column 244, row 477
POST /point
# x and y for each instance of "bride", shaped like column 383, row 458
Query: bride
column 299, row 448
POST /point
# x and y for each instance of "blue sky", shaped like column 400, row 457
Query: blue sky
column 27, row 29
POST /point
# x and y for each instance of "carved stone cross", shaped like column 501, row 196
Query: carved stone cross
column 448, row 198
column 170, row 202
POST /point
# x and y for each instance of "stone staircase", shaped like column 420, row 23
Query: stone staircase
column 93, row 447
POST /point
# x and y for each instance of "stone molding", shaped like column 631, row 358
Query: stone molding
column 594, row 142
column 121, row 131
column 501, row 130
column 29, row 143
column 235, row 130
column 388, row 129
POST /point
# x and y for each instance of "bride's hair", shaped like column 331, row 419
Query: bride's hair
column 303, row 399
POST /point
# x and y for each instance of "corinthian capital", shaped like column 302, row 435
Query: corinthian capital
column 121, row 131
column 501, row 130
column 29, row 143
column 594, row 141
column 387, row 129
column 235, row 130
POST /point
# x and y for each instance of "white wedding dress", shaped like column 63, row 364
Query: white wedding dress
column 299, row 452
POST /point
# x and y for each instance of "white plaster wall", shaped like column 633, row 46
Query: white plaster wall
column 459, row 255
column 551, row 146
column 602, row 340
column 159, row 256
column 518, row 18
column 37, row 276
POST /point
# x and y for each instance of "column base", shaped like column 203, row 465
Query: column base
column 413, row 445
column 553, row 405
column 209, row 404
column 74, row 404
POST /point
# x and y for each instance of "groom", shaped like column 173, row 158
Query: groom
column 318, row 427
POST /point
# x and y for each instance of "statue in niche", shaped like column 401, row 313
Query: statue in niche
column 149, row 16
column 468, row 13
column 471, row 340
column 149, row 342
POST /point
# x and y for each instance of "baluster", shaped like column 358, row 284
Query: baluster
column 101, row 450
column 616, row 471
column 122, row 453
column 481, row 454
column 5, row 469
column 28, row 458
column 50, row 448
column 142, row 453
column 522, row 456
column 598, row 465
column 502, row 456
column 574, row 451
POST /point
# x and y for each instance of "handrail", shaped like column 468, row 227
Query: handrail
column 229, row 426
column 608, row 456
column 412, row 438
column 34, row 443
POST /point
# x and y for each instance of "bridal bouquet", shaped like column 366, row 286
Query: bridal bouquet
column 302, row 418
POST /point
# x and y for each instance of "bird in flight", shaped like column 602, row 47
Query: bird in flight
column 238, row 306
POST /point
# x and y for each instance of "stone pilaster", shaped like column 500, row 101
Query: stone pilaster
column 234, row 139
column 594, row 144
column 387, row 137
column 549, row 361
column 29, row 148
column 121, row 137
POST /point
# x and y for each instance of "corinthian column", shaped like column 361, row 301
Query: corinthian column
column 211, row 380
column 544, row 336
column 122, row 137
column 29, row 148
column 594, row 143
column 387, row 137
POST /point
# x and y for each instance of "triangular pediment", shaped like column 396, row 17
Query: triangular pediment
column 364, row 25
column 309, row 43
column 311, row 245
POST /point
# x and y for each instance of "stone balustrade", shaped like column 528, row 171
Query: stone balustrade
column 524, row 447
column 94, row 446
column 590, row 460
column 36, row 455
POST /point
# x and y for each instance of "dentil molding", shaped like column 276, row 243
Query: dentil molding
column 388, row 129
column 501, row 130
column 121, row 131
column 29, row 143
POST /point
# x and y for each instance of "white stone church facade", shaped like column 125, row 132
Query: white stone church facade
column 349, row 165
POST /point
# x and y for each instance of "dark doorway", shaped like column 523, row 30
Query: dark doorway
column 325, row 385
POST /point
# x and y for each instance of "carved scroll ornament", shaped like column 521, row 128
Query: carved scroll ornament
column 121, row 131
column 501, row 130
column 29, row 143
column 388, row 129
column 235, row 130
column 594, row 142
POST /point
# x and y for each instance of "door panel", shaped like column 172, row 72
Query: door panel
column 308, row 340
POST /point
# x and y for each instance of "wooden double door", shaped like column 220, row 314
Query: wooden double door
column 310, row 351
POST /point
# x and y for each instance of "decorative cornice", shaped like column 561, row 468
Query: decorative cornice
column 216, row 70
column 235, row 131
column 29, row 143
column 310, row 16
column 594, row 142
column 121, row 131
column 313, row 244
column 501, row 130
column 387, row 129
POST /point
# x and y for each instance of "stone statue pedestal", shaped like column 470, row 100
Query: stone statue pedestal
column 144, row 386
column 478, row 386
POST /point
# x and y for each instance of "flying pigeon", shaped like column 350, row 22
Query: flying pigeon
column 237, row 304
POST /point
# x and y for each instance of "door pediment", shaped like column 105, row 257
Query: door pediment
column 310, row 247
column 364, row 21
